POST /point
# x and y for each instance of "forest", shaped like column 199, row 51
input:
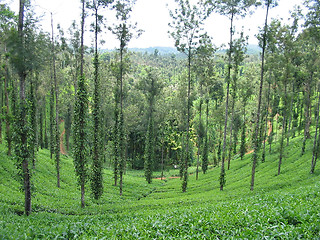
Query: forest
column 201, row 142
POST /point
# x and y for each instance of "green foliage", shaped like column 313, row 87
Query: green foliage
column 98, row 146
column 284, row 206
column 243, row 147
column 32, row 122
column 149, row 151
column 80, row 134
column 21, row 132
column 205, row 155
column 52, row 121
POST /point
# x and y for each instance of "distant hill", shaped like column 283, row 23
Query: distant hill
column 151, row 50
column 251, row 50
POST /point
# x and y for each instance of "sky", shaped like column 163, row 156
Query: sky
column 152, row 16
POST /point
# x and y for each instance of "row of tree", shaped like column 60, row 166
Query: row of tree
column 151, row 111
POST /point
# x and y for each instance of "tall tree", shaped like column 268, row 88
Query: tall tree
column 25, row 58
column 151, row 87
column 80, row 121
column 238, row 55
column 287, row 39
column 312, row 33
column 245, row 92
column 56, row 94
column 186, row 31
column 256, row 140
column 21, row 127
column 97, row 155
column 231, row 9
column 7, row 18
column 124, row 31
column 204, row 69
column 51, row 117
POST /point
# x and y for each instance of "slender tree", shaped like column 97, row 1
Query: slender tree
column 51, row 117
column 151, row 87
column 80, row 121
column 56, row 94
column 203, row 68
column 21, row 127
column 7, row 18
column 32, row 123
column 239, row 49
column 231, row 9
column 256, row 143
column 124, row 31
column 312, row 34
column 97, row 155
column 186, row 31
column 25, row 58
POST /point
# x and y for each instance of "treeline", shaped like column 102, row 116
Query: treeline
column 126, row 109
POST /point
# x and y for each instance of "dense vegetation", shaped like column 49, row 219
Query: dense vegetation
column 124, row 144
column 285, row 206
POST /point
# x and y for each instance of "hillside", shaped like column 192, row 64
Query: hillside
column 283, row 207
column 251, row 50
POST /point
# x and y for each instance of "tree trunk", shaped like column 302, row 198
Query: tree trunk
column 52, row 125
column 256, row 142
column 205, row 149
column 315, row 142
column 199, row 140
column 300, row 107
column 46, row 144
column 6, row 86
column 222, row 173
column 283, row 133
column 243, row 134
column 266, row 125
column 57, row 132
column 82, row 195
column 231, row 132
column 162, row 161
column 121, row 122
column 290, row 118
column 23, row 130
column 307, row 116
column 185, row 170
column 82, row 123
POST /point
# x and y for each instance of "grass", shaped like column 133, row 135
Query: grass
column 281, row 207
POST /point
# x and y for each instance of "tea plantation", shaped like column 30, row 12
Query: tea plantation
column 281, row 207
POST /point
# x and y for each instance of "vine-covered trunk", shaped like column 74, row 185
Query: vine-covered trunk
column 222, row 179
column 316, row 140
column 291, row 112
column 52, row 121
column 97, row 177
column 283, row 132
column 256, row 140
column 82, row 195
column 41, row 127
column 231, row 133
column 243, row 134
column 185, row 169
column 121, row 124
column 199, row 140
column 307, row 120
column 22, row 129
column 205, row 148
column 162, row 160
column 266, row 124
column 56, row 91
column 8, row 113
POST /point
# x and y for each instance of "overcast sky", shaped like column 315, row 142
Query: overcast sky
column 153, row 17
